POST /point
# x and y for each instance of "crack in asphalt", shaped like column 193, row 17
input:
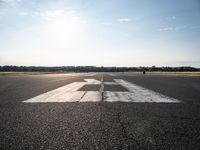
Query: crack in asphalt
column 124, row 132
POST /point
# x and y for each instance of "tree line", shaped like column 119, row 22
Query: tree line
column 93, row 69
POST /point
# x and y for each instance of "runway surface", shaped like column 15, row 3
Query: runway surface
column 99, row 111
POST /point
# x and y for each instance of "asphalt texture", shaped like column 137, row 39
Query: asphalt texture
column 99, row 125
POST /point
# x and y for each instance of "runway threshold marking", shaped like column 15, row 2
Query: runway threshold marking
column 70, row 93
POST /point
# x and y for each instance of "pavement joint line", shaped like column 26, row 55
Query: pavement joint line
column 123, row 129
column 83, row 95
column 102, row 88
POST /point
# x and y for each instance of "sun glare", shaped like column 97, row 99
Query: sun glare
column 65, row 27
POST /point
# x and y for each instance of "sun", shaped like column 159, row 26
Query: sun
column 65, row 26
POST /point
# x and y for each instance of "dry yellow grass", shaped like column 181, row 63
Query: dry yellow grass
column 18, row 73
column 171, row 73
column 27, row 73
column 177, row 73
column 41, row 73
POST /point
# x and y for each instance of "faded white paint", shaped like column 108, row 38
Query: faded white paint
column 137, row 94
column 91, row 96
column 70, row 93
column 92, row 81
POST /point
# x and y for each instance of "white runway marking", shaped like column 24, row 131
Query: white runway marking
column 90, row 74
column 91, row 96
column 70, row 93
column 112, row 74
column 92, row 81
column 137, row 94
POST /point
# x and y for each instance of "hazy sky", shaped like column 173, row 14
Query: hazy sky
column 100, row 32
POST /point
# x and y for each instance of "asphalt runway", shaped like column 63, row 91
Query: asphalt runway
column 100, row 111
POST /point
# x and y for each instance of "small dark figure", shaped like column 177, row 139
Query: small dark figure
column 144, row 72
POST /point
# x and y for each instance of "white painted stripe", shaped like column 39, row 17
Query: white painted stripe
column 69, row 76
column 61, row 97
column 90, row 74
column 70, row 93
column 112, row 74
column 117, row 97
column 73, row 86
column 138, row 94
column 92, row 81
column 91, row 96
column 62, row 94
column 102, row 85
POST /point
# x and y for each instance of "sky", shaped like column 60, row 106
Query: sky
column 100, row 32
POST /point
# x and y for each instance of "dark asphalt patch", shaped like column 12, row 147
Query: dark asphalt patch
column 90, row 87
column 111, row 87
column 114, row 88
